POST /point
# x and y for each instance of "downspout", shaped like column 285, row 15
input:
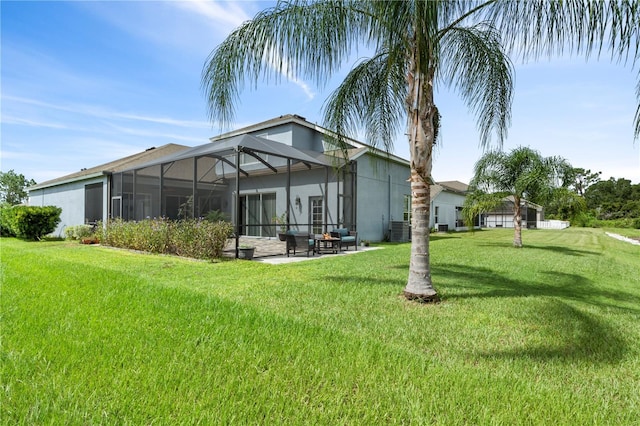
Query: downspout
column 238, row 214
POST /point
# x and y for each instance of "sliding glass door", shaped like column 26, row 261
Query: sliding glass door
column 257, row 213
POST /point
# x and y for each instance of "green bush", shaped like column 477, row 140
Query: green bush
column 6, row 211
column 617, row 223
column 78, row 232
column 216, row 216
column 584, row 220
column 199, row 239
column 30, row 222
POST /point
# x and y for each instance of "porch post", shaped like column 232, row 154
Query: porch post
column 326, row 197
column 287, row 211
column 337, row 198
column 194, row 190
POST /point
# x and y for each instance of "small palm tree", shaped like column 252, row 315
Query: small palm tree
column 521, row 174
column 417, row 46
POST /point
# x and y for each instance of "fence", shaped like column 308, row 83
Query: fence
column 552, row 224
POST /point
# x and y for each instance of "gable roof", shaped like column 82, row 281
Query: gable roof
column 242, row 142
column 355, row 150
column 113, row 166
column 454, row 185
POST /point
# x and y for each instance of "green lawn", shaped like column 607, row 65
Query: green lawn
column 549, row 334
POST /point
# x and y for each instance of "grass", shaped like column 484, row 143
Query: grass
column 549, row 334
column 626, row 232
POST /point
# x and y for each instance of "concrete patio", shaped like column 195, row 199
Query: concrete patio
column 274, row 251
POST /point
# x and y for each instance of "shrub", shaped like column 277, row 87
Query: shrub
column 617, row 223
column 78, row 232
column 584, row 220
column 32, row 223
column 199, row 239
column 6, row 210
column 216, row 216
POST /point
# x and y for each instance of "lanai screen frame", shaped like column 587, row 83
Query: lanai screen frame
column 257, row 148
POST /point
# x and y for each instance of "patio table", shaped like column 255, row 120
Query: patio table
column 327, row 245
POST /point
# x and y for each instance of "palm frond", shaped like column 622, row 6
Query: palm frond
column 589, row 27
column 273, row 45
column 473, row 62
column 550, row 27
column 372, row 95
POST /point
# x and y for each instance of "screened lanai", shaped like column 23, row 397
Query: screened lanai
column 251, row 180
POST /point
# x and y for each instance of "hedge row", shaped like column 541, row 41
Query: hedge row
column 28, row 222
column 199, row 239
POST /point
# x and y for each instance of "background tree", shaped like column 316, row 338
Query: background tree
column 13, row 187
column 614, row 199
column 563, row 204
column 521, row 174
column 416, row 45
column 583, row 179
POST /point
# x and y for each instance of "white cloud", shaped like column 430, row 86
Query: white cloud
column 31, row 123
column 229, row 14
column 93, row 111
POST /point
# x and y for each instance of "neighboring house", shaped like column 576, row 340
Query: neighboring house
column 84, row 195
column 252, row 175
column 447, row 201
column 502, row 217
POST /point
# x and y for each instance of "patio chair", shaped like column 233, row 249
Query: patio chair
column 301, row 242
column 347, row 238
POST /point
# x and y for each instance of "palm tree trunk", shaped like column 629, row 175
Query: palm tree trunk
column 517, row 220
column 421, row 112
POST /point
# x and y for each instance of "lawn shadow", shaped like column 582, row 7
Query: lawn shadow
column 479, row 282
column 363, row 279
column 573, row 336
column 583, row 336
column 554, row 249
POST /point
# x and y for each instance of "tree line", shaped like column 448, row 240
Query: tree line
column 586, row 200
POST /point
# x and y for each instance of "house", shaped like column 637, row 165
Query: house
column 532, row 215
column 283, row 167
column 447, row 201
column 84, row 195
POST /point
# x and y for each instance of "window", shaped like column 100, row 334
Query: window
column 459, row 218
column 248, row 159
column 407, row 209
column 316, row 212
column 93, row 202
column 435, row 215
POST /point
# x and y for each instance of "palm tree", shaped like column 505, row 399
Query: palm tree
column 521, row 174
column 417, row 45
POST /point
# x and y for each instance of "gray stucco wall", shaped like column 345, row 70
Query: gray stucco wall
column 446, row 203
column 382, row 187
column 300, row 137
column 304, row 185
column 70, row 198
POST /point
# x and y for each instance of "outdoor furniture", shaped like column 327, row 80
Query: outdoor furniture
column 347, row 238
column 301, row 242
column 327, row 244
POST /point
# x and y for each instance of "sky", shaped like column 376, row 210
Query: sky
column 84, row 83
